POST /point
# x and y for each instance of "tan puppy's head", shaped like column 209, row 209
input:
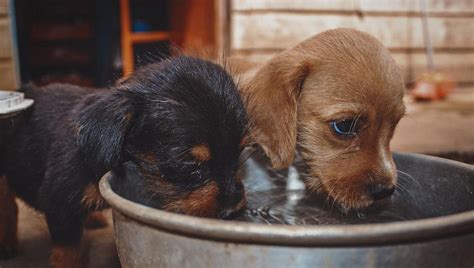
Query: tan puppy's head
column 337, row 97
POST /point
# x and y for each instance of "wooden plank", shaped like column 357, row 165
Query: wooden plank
column 128, row 59
column 460, row 66
column 362, row 5
column 8, row 79
column 240, row 5
column 144, row 37
column 4, row 7
column 5, row 39
column 193, row 24
column 281, row 30
column 222, row 26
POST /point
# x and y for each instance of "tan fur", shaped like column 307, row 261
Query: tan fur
column 335, row 75
column 201, row 152
column 95, row 220
column 8, row 218
column 245, row 142
column 66, row 257
column 92, row 199
column 201, row 202
column 271, row 101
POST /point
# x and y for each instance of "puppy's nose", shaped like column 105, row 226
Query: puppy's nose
column 232, row 212
column 228, row 213
column 380, row 191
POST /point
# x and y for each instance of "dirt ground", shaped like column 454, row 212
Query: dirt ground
column 435, row 128
column 35, row 244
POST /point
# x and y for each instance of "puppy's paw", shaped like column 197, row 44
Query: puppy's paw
column 8, row 250
column 96, row 220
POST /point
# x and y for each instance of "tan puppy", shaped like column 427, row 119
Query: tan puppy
column 337, row 97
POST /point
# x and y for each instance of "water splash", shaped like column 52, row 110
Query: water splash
column 280, row 197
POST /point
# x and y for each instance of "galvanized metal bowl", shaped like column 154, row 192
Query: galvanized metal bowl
column 147, row 237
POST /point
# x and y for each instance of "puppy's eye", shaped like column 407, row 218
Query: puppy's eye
column 197, row 174
column 346, row 127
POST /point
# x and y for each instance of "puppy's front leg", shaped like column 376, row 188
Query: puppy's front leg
column 66, row 232
column 95, row 220
column 8, row 221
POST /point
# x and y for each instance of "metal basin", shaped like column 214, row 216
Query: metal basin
column 11, row 105
column 433, row 227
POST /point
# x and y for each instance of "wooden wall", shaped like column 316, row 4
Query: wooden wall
column 261, row 28
column 8, row 70
column 192, row 23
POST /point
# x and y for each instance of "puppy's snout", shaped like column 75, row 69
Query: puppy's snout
column 230, row 212
column 379, row 191
column 232, row 195
column 225, row 214
column 233, row 201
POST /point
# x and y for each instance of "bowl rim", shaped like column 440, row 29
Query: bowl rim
column 293, row 235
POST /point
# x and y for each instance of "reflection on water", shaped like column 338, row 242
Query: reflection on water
column 426, row 188
column 279, row 197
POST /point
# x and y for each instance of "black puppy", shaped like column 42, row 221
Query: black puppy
column 180, row 122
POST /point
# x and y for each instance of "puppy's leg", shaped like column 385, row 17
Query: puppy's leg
column 8, row 221
column 66, row 232
column 95, row 220
column 93, row 202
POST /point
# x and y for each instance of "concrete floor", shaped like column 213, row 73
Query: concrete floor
column 35, row 244
column 428, row 127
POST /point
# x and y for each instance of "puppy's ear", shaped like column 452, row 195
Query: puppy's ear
column 271, row 98
column 103, row 122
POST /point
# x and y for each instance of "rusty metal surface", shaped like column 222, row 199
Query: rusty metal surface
column 146, row 236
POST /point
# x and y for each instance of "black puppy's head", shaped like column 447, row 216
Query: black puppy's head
column 182, row 123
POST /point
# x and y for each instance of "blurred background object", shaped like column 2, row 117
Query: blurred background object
column 81, row 41
column 9, row 75
column 84, row 37
column 432, row 85
column 92, row 43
